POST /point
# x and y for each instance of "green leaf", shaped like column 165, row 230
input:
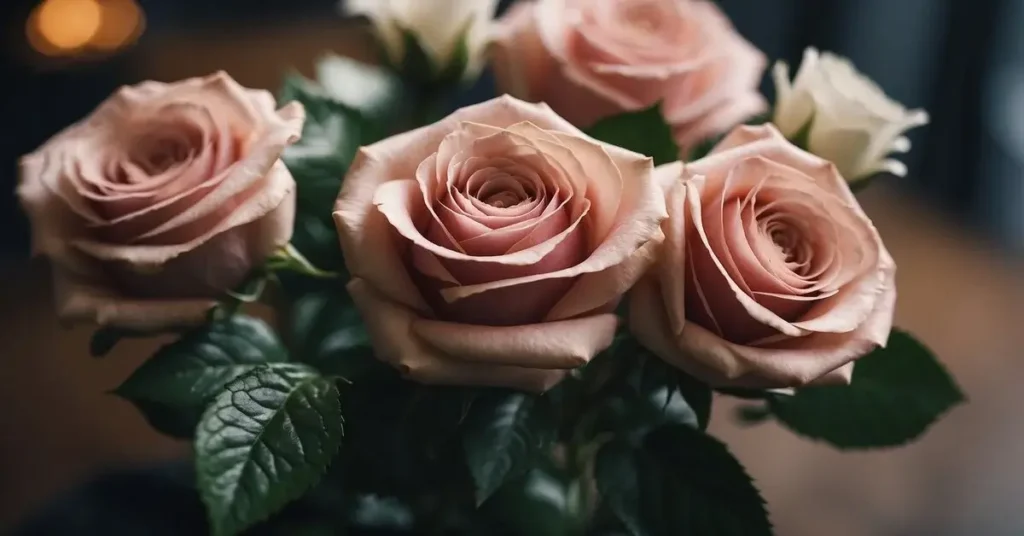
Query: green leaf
column 403, row 437
column 316, row 236
column 176, row 422
column 535, row 504
column 326, row 330
column 373, row 91
column 172, row 387
column 331, row 135
column 501, row 435
column 265, row 440
column 896, row 394
column 417, row 66
column 105, row 339
column 370, row 512
column 685, row 398
column 698, row 396
column 421, row 71
column 679, row 397
column 455, row 71
column 680, row 481
column 644, row 132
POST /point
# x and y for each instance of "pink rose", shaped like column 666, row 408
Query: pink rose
column 771, row 274
column 589, row 59
column 164, row 197
column 491, row 247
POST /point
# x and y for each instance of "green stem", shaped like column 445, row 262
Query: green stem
column 583, row 444
column 578, row 495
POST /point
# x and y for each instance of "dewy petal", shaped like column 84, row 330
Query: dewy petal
column 392, row 329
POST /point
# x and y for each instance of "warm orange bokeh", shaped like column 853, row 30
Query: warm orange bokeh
column 67, row 27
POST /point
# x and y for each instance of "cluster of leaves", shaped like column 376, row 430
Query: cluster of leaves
column 307, row 413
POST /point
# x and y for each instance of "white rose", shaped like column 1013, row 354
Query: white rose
column 438, row 25
column 852, row 121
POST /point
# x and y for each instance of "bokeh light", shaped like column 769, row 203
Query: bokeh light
column 121, row 23
column 68, row 27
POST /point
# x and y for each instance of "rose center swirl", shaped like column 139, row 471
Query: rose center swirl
column 792, row 247
column 504, row 190
column 155, row 152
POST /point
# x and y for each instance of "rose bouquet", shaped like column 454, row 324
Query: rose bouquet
column 510, row 319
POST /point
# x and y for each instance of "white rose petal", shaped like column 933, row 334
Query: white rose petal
column 851, row 120
column 437, row 24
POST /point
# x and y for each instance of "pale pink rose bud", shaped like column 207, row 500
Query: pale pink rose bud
column 492, row 247
column 770, row 275
column 589, row 59
column 163, row 198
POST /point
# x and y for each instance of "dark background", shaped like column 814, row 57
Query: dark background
column 955, row 226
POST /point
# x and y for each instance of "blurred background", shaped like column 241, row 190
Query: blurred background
column 955, row 226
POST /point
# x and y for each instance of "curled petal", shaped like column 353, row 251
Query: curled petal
column 392, row 329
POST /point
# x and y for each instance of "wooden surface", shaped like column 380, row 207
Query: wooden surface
column 959, row 296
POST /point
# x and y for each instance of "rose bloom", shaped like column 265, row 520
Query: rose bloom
column 771, row 275
column 848, row 119
column 164, row 197
column 590, row 59
column 491, row 247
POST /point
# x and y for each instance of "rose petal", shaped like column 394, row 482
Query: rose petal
column 598, row 292
column 710, row 358
column 522, row 65
column 401, row 201
column 391, row 327
column 81, row 299
column 740, row 317
column 278, row 193
column 673, row 262
column 640, row 212
column 551, row 345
